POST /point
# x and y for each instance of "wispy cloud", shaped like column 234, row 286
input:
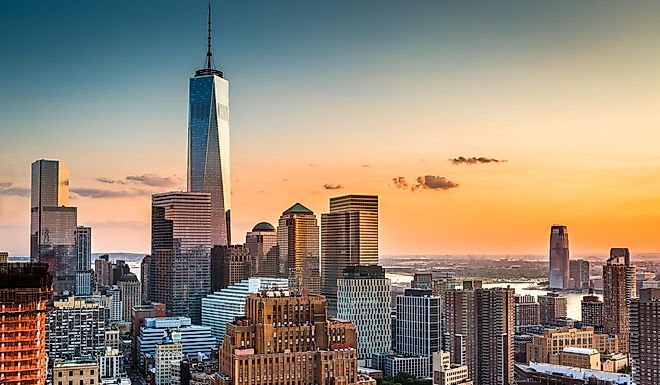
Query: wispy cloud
column 474, row 160
column 366, row 165
column 6, row 189
column 330, row 186
column 96, row 193
column 433, row 182
column 400, row 182
column 151, row 180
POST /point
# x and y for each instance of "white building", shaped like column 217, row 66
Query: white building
column 194, row 338
column 393, row 364
column 444, row 373
column 110, row 364
column 364, row 298
column 221, row 307
column 169, row 352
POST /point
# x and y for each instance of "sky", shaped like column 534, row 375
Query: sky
column 549, row 110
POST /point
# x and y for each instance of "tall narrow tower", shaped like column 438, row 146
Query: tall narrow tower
column 559, row 258
column 208, row 143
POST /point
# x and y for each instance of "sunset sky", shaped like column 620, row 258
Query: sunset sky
column 564, row 95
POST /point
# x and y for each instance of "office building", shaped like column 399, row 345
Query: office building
column 553, row 341
column 349, row 237
column 195, row 339
column 559, row 276
column 221, row 307
column 75, row 327
column 25, row 290
column 288, row 339
column 446, row 373
column 168, row 356
column 645, row 337
column 592, row 311
column 577, row 358
column 208, row 144
column 229, row 265
column 261, row 243
column 138, row 314
column 179, row 272
column 619, row 281
column 145, row 265
column 298, row 240
column 130, row 291
column 102, row 271
column 579, row 274
column 53, row 223
column 116, row 270
column 83, row 261
column 527, row 311
column 76, row 371
column 392, row 364
column 364, row 298
column 419, row 324
column 552, row 307
column 110, row 364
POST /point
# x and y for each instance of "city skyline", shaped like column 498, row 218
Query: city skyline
column 538, row 94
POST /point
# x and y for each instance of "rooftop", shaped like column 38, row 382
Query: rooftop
column 298, row 209
column 570, row 349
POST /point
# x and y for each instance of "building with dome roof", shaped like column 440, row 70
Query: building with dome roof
column 261, row 243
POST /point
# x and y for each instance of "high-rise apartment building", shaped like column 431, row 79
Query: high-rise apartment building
column 418, row 324
column 527, row 310
column 579, row 274
column 559, row 258
column 179, row 273
column 619, row 280
column 208, row 144
column 645, row 337
column 494, row 336
column 552, row 306
column 25, row 290
column 459, row 327
column 130, row 291
column 229, row 265
column 288, row 339
column 83, row 261
column 261, row 243
column 53, row 224
column 298, row 240
column 221, row 307
column 349, row 236
column 592, row 311
column 364, row 298
column 75, row 327
column 169, row 353
column 145, row 281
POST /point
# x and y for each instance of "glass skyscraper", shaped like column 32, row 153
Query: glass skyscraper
column 53, row 224
column 208, row 144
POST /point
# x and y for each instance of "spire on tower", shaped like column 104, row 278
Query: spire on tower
column 209, row 68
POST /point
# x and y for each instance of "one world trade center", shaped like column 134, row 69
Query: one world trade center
column 208, row 144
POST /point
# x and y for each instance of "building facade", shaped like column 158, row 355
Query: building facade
column 349, row 237
column 229, row 265
column 25, row 290
column 83, row 261
column 130, row 291
column 53, row 223
column 298, row 240
column 261, row 243
column 645, row 337
column 78, row 371
column 102, row 272
column 527, row 310
column 75, row 327
column 494, row 336
column 145, row 274
column 168, row 356
column 592, row 311
column 579, row 274
column 364, row 298
column 195, row 339
column 619, row 282
column 552, row 307
column 180, row 273
column 553, row 341
column 559, row 275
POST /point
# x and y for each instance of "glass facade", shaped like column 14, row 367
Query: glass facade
column 208, row 149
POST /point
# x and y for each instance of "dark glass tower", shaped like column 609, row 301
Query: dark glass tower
column 208, row 144
column 559, row 276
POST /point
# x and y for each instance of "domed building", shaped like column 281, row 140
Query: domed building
column 264, row 253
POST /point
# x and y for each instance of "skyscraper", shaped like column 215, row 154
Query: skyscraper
column 53, row 224
column 229, row 265
column 349, row 236
column 459, row 327
column 261, row 243
column 25, row 289
column 527, row 311
column 364, row 298
column 298, row 239
column 102, row 271
column 559, row 258
column 180, row 252
column 145, row 274
column 131, row 295
column 618, row 291
column 552, row 307
column 645, row 337
column 579, row 273
column 592, row 311
column 208, row 143
column 494, row 336
column 83, row 261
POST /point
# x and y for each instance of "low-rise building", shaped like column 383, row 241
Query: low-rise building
column 79, row 371
column 543, row 373
column 577, row 358
column 553, row 341
column 446, row 373
column 392, row 364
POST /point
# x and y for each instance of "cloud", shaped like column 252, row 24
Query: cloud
column 433, row 182
column 400, row 182
column 330, row 186
column 154, row 180
column 96, row 193
column 110, row 181
column 7, row 190
column 366, row 165
column 475, row 160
